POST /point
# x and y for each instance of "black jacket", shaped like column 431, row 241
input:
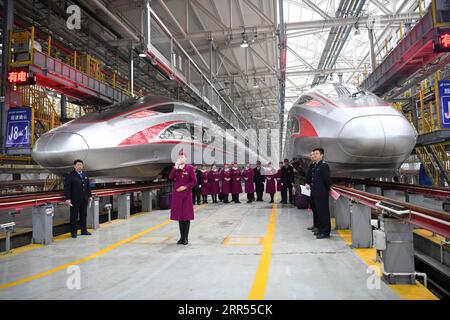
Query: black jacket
column 77, row 189
column 309, row 173
column 258, row 178
column 198, row 174
column 287, row 175
column 320, row 180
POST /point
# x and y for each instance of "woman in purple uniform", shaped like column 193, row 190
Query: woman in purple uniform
column 270, row 174
column 182, row 209
column 213, row 178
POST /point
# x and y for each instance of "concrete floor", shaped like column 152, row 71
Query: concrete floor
column 219, row 263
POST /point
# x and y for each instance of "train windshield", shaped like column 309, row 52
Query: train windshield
column 125, row 107
column 347, row 95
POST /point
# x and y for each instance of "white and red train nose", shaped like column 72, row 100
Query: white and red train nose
column 59, row 149
column 380, row 136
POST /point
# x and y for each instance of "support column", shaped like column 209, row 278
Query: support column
column 8, row 20
column 131, row 70
column 123, row 203
column 63, row 106
column 93, row 214
column 373, row 61
column 342, row 214
column 398, row 257
column 147, row 197
column 42, row 224
column 361, row 227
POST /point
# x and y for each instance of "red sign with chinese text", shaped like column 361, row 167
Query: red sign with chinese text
column 20, row 76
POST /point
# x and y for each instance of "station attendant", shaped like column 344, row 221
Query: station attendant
column 225, row 176
column 205, row 184
column 258, row 179
column 278, row 178
column 196, row 189
column 270, row 174
column 320, row 190
column 314, row 227
column 78, row 195
column 213, row 179
column 249, row 186
column 182, row 209
column 287, row 179
column 236, row 185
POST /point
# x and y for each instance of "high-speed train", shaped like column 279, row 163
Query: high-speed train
column 139, row 139
column 362, row 135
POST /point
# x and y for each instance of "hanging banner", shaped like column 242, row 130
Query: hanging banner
column 444, row 99
column 18, row 132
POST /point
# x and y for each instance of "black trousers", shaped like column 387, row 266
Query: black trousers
column 251, row 196
column 225, row 197
column 81, row 209
column 313, row 209
column 214, row 197
column 284, row 193
column 235, row 197
column 271, row 197
column 205, row 198
column 323, row 213
column 259, row 191
column 196, row 195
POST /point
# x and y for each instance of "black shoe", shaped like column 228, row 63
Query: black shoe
column 322, row 236
column 310, row 228
column 315, row 229
column 238, row 202
column 180, row 241
column 185, row 242
column 271, row 201
column 316, row 233
column 86, row 233
column 73, row 235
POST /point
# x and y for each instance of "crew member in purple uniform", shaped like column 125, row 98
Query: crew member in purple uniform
column 225, row 176
column 205, row 184
column 248, row 174
column 182, row 209
column 213, row 179
column 278, row 178
column 236, row 185
column 270, row 174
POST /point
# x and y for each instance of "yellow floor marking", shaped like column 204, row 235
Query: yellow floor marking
column 429, row 235
column 368, row 256
column 243, row 241
column 87, row 258
column 258, row 289
column 20, row 250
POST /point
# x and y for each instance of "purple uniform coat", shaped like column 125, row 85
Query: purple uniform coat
column 278, row 178
column 236, row 185
column 182, row 208
column 225, row 176
column 249, row 185
column 270, row 183
column 205, row 184
column 213, row 178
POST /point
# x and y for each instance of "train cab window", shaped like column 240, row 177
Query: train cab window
column 165, row 108
column 178, row 131
column 294, row 126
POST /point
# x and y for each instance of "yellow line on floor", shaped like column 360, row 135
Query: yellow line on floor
column 405, row 291
column 258, row 289
column 87, row 258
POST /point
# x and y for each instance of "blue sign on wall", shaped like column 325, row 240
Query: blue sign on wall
column 18, row 127
column 444, row 97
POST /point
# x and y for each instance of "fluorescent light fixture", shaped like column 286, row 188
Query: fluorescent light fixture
column 255, row 84
column 142, row 54
column 244, row 43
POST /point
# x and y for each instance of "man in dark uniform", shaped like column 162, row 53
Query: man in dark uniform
column 320, row 190
column 287, row 178
column 314, row 227
column 258, row 178
column 196, row 190
column 78, row 194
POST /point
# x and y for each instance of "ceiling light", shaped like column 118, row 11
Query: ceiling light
column 142, row 54
column 244, row 43
column 255, row 84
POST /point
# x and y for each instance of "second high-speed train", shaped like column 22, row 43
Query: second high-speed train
column 362, row 135
column 139, row 139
